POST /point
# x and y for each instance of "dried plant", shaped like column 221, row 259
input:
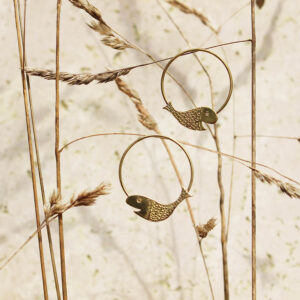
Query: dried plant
column 284, row 187
column 204, row 229
column 110, row 38
column 144, row 116
column 85, row 198
column 78, row 79
column 189, row 10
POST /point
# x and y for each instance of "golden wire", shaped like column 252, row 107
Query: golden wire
column 154, row 136
column 192, row 51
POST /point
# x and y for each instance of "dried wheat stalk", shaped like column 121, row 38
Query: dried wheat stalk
column 284, row 187
column 78, row 79
column 144, row 116
column 85, row 198
column 110, row 39
column 189, row 10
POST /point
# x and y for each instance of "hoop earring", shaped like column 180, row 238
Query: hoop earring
column 193, row 118
column 150, row 209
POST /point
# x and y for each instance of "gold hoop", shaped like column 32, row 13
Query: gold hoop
column 160, row 137
column 192, row 51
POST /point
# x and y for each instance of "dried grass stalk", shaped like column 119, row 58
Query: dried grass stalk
column 110, row 39
column 88, row 198
column 78, row 79
column 204, row 229
column 89, row 8
column 144, row 116
column 85, row 198
column 284, row 187
column 189, row 10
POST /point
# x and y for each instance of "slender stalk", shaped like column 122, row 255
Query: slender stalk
column 211, row 90
column 57, row 156
column 270, row 136
column 222, row 213
column 253, row 146
column 206, row 269
column 239, row 159
column 30, row 146
column 23, row 32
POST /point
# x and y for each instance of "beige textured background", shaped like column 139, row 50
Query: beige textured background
column 111, row 254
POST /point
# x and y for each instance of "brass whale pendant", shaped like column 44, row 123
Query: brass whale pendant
column 152, row 210
column 193, row 118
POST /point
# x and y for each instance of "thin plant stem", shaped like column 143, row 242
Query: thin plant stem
column 253, row 147
column 211, row 90
column 222, row 213
column 57, row 156
column 31, row 154
column 231, row 186
column 269, row 136
column 184, row 143
column 206, row 269
column 23, row 32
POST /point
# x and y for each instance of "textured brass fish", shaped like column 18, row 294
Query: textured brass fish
column 152, row 210
column 193, row 118
column 148, row 208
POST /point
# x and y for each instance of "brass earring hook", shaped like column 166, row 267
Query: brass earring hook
column 150, row 209
column 193, row 118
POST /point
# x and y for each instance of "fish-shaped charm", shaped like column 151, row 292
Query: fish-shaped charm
column 193, row 118
column 152, row 210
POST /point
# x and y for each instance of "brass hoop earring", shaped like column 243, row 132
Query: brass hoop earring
column 193, row 118
column 148, row 208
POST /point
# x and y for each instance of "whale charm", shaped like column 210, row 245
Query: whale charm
column 152, row 210
column 193, row 118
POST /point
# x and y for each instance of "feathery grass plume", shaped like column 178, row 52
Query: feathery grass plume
column 88, row 198
column 85, row 198
column 78, row 79
column 284, row 187
column 144, row 116
column 189, row 10
column 110, row 39
column 204, row 229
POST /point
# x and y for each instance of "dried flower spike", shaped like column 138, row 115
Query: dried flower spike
column 204, row 229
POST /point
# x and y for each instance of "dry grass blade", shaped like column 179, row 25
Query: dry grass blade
column 284, row 187
column 144, row 116
column 189, row 10
column 79, row 79
column 204, row 229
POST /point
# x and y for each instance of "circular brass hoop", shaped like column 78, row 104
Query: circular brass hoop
column 192, row 51
column 160, row 137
